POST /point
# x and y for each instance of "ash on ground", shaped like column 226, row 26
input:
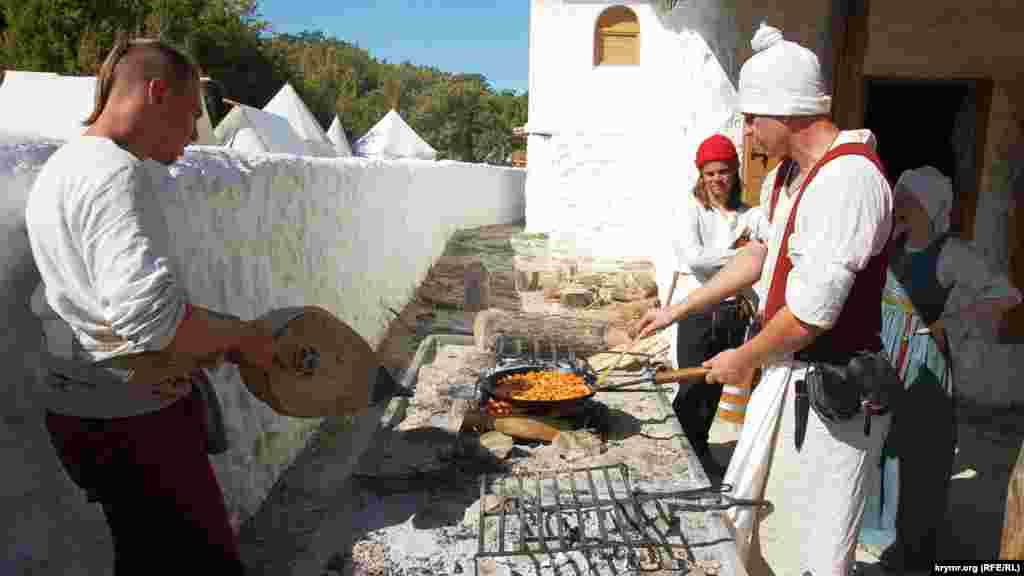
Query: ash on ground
column 417, row 494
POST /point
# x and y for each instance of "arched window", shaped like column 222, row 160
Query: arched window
column 617, row 38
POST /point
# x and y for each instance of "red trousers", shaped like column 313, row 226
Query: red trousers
column 152, row 476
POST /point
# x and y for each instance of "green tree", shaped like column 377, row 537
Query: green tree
column 45, row 35
column 460, row 115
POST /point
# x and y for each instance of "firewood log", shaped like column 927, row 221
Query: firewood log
column 584, row 336
column 448, row 279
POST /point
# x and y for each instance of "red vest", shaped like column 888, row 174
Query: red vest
column 859, row 325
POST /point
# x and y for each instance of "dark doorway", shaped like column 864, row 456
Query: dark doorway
column 916, row 124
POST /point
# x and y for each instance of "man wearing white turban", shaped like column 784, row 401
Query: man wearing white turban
column 819, row 280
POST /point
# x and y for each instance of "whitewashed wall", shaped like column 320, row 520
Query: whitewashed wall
column 250, row 234
column 611, row 148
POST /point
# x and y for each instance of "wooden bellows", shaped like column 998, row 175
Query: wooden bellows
column 321, row 366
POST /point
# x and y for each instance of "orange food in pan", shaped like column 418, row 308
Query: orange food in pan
column 548, row 386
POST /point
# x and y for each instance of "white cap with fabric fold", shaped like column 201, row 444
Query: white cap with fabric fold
column 934, row 190
column 782, row 78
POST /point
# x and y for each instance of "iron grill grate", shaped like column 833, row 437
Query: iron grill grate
column 592, row 511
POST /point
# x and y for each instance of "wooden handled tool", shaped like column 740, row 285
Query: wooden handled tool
column 681, row 375
column 321, row 367
column 671, row 290
column 603, row 375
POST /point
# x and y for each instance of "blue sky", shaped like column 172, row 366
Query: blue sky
column 489, row 37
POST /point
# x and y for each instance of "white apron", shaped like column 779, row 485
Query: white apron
column 817, row 493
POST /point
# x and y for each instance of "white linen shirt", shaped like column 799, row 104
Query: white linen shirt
column 701, row 248
column 101, row 244
column 702, row 245
column 843, row 220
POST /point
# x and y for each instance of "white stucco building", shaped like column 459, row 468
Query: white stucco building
column 620, row 98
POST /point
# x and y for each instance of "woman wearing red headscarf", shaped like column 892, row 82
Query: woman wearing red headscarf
column 714, row 224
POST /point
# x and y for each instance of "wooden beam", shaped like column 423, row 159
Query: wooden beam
column 756, row 165
column 1012, row 328
column 968, row 204
column 568, row 332
column 850, row 42
column 1012, row 543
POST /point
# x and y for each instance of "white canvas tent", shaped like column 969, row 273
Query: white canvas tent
column 252, row 130
column 44, row 104
column 287, row 104
column 336, row 134
column 49, row 105
column 393, row 138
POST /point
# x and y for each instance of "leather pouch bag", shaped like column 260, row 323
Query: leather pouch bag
column 867, row 384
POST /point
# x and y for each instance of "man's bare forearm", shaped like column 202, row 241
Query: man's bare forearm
column 742, row 271
column 784, row 334
column 205, row 333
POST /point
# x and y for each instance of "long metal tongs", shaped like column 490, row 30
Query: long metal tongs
column 718, row 494
column 658, row 378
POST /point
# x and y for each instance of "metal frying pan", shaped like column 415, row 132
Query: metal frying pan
column 489, row 383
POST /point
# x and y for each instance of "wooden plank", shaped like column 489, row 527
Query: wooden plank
column 617, row 37
column 1013, row 324
column 750, row 196
column 968, row 204
column 850, row 42
column 756, row 165
column 1012, row 544
column 619, row 50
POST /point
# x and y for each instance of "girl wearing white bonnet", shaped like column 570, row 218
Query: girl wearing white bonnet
column 936, row 287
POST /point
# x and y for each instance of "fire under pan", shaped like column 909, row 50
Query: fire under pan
column 590, row 521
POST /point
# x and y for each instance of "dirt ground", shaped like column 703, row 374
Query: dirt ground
column 497, row 247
